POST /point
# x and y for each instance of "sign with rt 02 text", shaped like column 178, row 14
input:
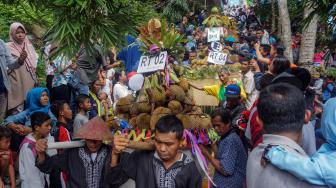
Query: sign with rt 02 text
column 152, row 63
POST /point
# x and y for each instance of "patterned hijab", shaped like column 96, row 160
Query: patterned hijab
column 16, row 48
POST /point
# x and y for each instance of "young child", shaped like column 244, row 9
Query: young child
column 29, row 174
column 6, row 158
column 63, row 113
column 107, row 104
column 106, row 83
column 84, row 105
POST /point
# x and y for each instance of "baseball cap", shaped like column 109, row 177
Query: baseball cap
column 233, row 91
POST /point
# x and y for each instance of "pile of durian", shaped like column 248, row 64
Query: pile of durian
column 157, row 99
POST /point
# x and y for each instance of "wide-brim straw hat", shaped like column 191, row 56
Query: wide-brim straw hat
column 95, row 129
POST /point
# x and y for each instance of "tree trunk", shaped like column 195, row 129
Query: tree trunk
column 279, row 34
column 286, row 29
column 273, row 15
column 307, row 47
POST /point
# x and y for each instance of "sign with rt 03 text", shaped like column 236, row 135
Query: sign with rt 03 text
column 218, row 58
column 152, row 63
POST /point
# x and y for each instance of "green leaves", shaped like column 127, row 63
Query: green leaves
column 323, row 8
column 72, row 23
column 175, row 10
column 22, row 12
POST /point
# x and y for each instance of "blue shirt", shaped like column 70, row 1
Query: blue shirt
column 130, row 55
column 233, row 159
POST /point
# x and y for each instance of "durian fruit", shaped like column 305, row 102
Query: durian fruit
column 134, row 109
column 133, row 122
column 184, row 84
column 188, row 103
column 175, row 107
column 123, row 105
column 196, row 110
column 177, row 93
column 198, row 119
column 185, row 121
column 156, row 93
column 142, row 107
column 214, row 10
column 157, row 114
column 158, row 96
column 143, row 121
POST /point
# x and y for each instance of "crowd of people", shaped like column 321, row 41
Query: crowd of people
column 275, row 129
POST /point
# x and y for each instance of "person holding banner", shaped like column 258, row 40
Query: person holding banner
column 218, row 90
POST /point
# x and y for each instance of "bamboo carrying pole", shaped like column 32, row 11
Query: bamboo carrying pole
column 75, row 144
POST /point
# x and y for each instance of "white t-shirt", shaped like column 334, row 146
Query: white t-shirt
column 106, row 88
column 110, row 73
column 120, row 91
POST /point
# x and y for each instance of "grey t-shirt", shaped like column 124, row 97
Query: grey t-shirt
column 79, row 121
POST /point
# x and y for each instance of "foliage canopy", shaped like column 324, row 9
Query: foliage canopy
column 85, row 22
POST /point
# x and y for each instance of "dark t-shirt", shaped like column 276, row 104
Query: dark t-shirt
column 89, row 64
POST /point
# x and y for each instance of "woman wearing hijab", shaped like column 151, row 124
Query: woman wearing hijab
column 37, row 100
column 24, row 78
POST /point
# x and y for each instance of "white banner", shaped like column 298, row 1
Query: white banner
column 214, row 34
column 152, row 63
column 218, row 58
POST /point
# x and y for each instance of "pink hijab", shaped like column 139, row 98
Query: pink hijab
column 16, row 48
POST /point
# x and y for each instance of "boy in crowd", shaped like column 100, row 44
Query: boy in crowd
column 248, row 83
column 6, row 158
column 29, row 174
column 282, row 117
column 84, row 105
column 166, row 167
column 63, row 113
column 231, row 158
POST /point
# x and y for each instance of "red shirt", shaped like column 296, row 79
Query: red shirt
column 256, row 128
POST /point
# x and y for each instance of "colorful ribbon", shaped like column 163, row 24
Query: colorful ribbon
column 197, row 153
